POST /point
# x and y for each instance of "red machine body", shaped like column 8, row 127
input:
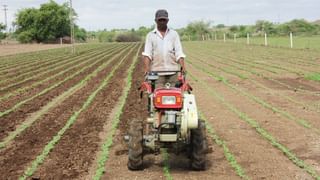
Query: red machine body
column 161, row 93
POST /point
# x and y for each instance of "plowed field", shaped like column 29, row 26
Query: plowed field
column 64, row 116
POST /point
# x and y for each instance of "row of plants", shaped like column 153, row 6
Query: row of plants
column 87, row 62
column 108, row 141
column 36, row 63
column 27, row 123
column 16, row 106
column 281, row 61
column 248, row 67
column 234, row 71
column 260, row 130
column 303, row 122
column 43, row 55
column 230, row 157
column 51, row 144
column 42, row 71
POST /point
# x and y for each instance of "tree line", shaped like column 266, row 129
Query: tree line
column 51, row 22
column 198, row 29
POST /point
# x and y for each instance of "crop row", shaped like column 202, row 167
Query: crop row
column 233, row 70
column 29, row 74
column 17, row 70
column 16, row 106
column 41, row 157
column 303, row 122
column 270, row 61
column 245, row 67
column 259, row 129
column 87, row 61
column 267, row 54
column 27, row 123
column 107, row 142
column 23, row 58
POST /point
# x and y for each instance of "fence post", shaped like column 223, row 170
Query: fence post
column 265, row 39
column 60, row 41
column 248, row 39
column 202, row 37
column 235, row 37
column 291, row 40
column 215, row 36
column 224, row 37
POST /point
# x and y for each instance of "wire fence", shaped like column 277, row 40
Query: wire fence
column 290, row 41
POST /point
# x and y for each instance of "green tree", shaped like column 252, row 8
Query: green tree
column 234, row 28
column 220, row 26
column 2, row 35
column 80, row 34
column 46, row 24
column 198, row 28
column 263, row 26
column 298, row 26
column 106, row 36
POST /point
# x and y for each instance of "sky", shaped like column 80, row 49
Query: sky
column 109, row 14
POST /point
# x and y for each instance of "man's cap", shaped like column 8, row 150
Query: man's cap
column 162, row 14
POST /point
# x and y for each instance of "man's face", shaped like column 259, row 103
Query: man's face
column 162, row 24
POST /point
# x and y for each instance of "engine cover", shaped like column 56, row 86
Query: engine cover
column 189, row 119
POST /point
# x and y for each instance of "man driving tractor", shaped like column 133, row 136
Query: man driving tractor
column 163, row 50
column 172, row 121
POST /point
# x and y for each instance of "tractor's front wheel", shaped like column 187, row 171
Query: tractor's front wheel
column 199, row 147
column 135, row 133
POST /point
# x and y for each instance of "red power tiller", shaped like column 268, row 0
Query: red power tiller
column 172, row 123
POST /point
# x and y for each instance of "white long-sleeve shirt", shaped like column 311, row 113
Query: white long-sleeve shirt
column 164, row 52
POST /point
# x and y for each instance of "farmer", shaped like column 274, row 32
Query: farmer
column 163, row 51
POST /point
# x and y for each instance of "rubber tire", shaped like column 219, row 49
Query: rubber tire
column 135, row 161
column 199, row 147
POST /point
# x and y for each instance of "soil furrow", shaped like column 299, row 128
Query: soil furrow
column 9, row 122
column 10, row 84
column 36, row 87
column 116, row 166
column 41, row 63
column 30, row 143
column 257, row 156
column 83, row 136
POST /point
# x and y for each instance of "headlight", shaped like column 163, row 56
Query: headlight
column 168, row 100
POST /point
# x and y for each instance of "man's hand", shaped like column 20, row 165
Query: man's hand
column 183, row 67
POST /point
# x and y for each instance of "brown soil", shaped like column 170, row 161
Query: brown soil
column 30, row 143
column 10, row 121
column 74, row 155
column 83, row 136
column 116, row 167
column 20, row 81
column 257, row 156
column 6, row 104
column 9, row 49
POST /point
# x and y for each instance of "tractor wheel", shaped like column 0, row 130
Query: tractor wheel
column 199, row 147
column 135, row 145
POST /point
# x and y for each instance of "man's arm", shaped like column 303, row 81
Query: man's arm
column 147, row 54
column 146, row 61
column 179, row 53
